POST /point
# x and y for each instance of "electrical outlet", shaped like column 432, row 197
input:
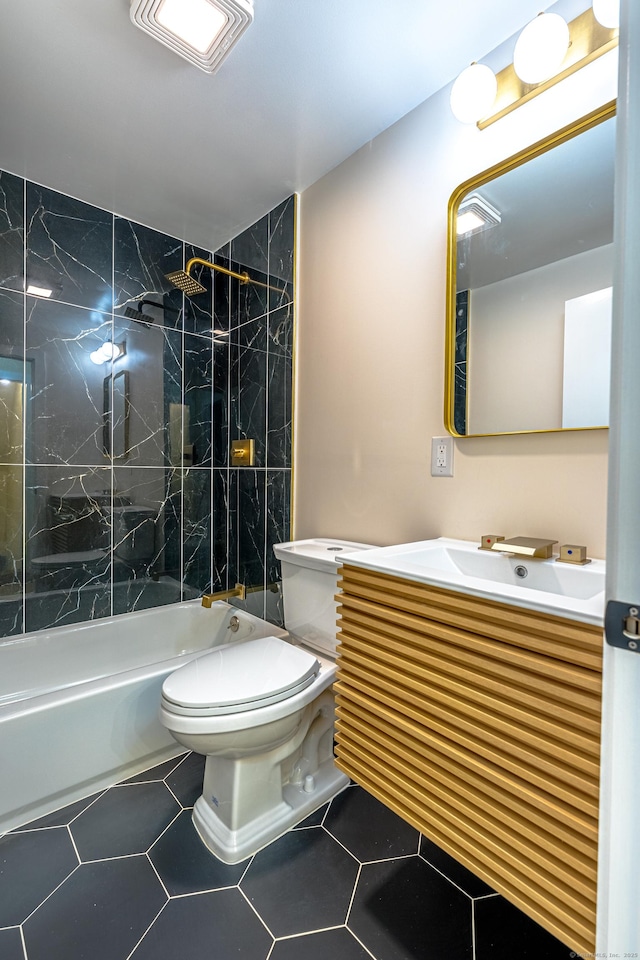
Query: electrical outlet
column 442, row 456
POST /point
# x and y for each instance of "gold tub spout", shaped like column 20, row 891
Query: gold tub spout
column 238, row 591
column 526, row 547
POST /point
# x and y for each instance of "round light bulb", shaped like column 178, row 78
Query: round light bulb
column 97, row 356
column 473, row 93
column 607, row 13
column 109, row 350
column 541, row 48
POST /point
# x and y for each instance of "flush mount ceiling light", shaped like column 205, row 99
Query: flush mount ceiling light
column 475, row 214
column 541, row 48
column 201, row 31
column 607, row 13
column 473, row 93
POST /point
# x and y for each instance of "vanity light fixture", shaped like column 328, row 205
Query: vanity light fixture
column 108, row 351
column 541, row 48
column 607, row 13
column 201, row 31
column 475, row 214
column 473, row 93
column 584, row 39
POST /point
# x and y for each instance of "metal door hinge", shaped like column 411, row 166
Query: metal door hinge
column 622, row 625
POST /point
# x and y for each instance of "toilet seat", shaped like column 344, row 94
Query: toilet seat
column 239, row 677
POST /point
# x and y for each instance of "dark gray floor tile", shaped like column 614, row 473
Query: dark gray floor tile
column 339, row 943
column 11, row 945
column 369, row 829
column 405, row 910
column 214, row 925
column 159, row 772
column 123, row 821
column 458, row 874
column 100, row 912
column 31, row 867
column 314, row 819
column 186, row 779
column 303, row 861
column 504, row 932
column 61, row 817
column 184, row 863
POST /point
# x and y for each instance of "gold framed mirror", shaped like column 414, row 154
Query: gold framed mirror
column 529, row 278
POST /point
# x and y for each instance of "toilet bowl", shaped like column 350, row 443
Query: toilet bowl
column 262, row 713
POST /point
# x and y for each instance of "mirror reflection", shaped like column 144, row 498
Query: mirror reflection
column 530, row 268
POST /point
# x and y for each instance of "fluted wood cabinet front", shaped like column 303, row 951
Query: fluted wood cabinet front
column 479, row 723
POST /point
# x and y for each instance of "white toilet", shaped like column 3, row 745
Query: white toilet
column 262, row 712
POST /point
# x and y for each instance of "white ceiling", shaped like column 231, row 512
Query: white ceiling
column 95, row 108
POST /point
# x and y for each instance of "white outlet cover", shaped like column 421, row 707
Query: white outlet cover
column 442, row 456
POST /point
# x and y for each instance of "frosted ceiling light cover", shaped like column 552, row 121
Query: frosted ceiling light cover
column 196, row 22
column 541, row 48
column 607, row 13
column 475, row 213
column 39, row 291
column 473, row 93
column 467, row 222
column 201, row 31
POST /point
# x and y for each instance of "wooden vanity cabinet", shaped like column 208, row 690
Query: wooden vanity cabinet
column 479, row 724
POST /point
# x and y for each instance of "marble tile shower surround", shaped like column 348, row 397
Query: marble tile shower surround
column 88, row 528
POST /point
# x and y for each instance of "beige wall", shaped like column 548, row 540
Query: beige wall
column 370, row 347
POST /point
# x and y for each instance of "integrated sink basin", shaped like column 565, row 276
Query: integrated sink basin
column 562, row 589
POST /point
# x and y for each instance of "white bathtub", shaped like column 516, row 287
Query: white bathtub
column 79, row 704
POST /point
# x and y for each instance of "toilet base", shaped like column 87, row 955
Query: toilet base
column 233, row 846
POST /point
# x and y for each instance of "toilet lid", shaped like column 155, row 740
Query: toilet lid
column 242, row 676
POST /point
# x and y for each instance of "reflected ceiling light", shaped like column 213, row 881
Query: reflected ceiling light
column 607, row 13
column 38, row 291
column 201, row 31
column 475, row 214
column 473, row 93
column 541, row 48
column 108, row 351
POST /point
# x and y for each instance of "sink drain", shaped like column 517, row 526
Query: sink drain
column 521, row 571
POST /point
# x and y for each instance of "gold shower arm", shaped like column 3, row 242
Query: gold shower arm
column 242, row 277
column 183, row 280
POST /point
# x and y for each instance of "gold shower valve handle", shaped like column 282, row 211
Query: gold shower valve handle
column 242, row 453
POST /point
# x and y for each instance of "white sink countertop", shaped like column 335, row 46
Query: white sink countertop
column 561, row 589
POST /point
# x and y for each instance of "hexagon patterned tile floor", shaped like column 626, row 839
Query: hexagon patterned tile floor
column 122, row 875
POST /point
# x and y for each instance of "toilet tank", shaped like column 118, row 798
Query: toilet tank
column 309, row 571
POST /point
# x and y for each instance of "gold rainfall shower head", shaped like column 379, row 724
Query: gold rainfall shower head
column 183, row 280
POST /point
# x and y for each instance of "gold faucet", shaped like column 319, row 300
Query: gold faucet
column 238, row 591
column 526, row 547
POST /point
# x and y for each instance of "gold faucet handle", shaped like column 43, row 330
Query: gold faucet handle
column 487, row 541
column 571, row 553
